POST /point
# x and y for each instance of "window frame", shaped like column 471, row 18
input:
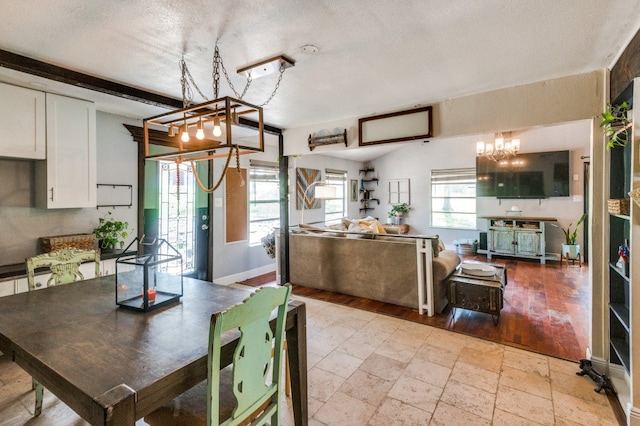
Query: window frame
column 463, row 177
column 266, row 169
column 339, row 179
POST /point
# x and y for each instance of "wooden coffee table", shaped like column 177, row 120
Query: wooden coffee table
column 478, row 293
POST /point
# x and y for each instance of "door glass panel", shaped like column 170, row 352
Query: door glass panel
column 177, row 212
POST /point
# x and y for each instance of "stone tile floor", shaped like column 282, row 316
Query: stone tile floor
column 370, row 369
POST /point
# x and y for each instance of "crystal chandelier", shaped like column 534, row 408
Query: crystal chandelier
column 499, row 149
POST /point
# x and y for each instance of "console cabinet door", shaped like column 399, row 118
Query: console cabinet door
column 22, row 123
column 528, row 243
column 67, row 179
column 502, row 241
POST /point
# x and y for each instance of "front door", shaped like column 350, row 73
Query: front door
column 182, row 221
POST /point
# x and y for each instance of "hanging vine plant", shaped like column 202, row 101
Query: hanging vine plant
column 616, row 125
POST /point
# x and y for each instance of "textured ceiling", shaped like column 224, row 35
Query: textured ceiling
column 374, row 56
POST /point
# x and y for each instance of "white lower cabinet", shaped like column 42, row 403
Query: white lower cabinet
column 21, row 285
column 40, row 281
column 108, row 267
column 12, row 286
column 7, row 288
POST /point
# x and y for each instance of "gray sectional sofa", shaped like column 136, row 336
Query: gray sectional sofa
column 379, row 267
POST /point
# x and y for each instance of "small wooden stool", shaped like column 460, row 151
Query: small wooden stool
column 565, row 258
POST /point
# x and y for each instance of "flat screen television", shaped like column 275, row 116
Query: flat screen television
column 532, row 175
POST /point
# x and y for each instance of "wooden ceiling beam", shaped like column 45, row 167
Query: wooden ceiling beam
column 64, row 75
column 74, row 78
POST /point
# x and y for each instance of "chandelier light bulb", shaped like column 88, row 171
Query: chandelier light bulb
column 200, row 132
column 480, row 147
column 515, row 145
column 489, row 150
column 217, row 131
column 185, row 134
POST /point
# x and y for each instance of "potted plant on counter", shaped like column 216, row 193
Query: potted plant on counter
column 111, row 233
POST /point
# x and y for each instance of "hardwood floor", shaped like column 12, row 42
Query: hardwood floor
column 546, row 308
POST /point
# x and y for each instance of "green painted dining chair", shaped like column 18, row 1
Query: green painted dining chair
column 257, row 360
column 64, row 265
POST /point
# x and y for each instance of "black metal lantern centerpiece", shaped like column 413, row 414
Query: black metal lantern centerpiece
column 151, row 280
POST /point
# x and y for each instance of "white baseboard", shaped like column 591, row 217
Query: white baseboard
column 242, row 276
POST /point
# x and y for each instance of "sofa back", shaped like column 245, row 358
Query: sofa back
column 384, row 270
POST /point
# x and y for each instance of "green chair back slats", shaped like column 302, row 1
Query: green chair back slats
column 256, row 375
column 64, row 265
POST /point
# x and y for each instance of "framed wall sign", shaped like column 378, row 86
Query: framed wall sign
column 354, row 190
column 414, row 124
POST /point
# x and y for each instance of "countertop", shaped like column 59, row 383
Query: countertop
column 508, row 217
column 19, row 270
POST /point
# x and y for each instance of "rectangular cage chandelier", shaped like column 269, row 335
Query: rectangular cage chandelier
column 199, row 132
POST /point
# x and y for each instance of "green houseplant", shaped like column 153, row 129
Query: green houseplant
column 399, row 209
column 572, row 236
column 616, row 125
column 571, row 250
column 111, row 233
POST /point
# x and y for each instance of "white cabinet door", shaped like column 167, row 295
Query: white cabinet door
column 40, row 281
column 108, row 267
column 22, row 122
column 67, row 179
column 7, row 288
column 88, row 270
column 22, row 286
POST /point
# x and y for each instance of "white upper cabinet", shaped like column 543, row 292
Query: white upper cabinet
column 67, row 179
column 22, row 122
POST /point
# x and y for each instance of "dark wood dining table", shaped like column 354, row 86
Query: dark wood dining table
column 113, row 366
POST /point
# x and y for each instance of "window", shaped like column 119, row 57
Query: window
column 453, row 198
column 264, row 200
column 334, row 209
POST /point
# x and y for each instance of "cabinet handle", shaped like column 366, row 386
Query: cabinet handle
column 52, row 193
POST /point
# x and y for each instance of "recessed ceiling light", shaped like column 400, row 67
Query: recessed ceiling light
column 309, row 49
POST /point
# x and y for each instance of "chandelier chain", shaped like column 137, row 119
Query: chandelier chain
column 188, row 83
column 217, row 61
column 187, row 93
column 277, row 85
